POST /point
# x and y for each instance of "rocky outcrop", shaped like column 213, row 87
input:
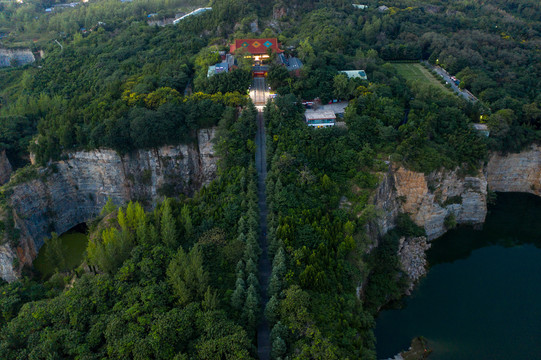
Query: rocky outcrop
column 385, row 200
column 430, row 199
column 7, row 258
column 77, row 188
column 433, row 198
column 411, row 252
column 519, row 172
column 11, row 57
column 5, row 168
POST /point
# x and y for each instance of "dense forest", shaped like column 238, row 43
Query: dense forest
column 166, row 278
column 179, row 281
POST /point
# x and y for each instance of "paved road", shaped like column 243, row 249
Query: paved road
column 259, row 91
column 263, row 330
column 464, row 93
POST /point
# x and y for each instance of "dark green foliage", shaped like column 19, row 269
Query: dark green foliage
column 237, row 80
column 383, row 285
column 406, row 227
column 450, row 221
column 312, row 284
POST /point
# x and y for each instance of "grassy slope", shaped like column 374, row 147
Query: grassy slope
column 416, row 72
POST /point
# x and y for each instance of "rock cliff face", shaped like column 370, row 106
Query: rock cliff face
column 516, row 172
column 433, row 198
column 411, row 252
column 81, row 185
column 10, row 57
column 5, row 168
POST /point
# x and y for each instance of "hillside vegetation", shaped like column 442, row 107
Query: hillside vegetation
column 180, row 281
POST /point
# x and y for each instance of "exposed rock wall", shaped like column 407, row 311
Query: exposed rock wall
column 412, row 255
column 8, row 57
column 516, row 172
column 385, row 200
column 82, row 183
column 7, row 256
column 5, row 168
column 430, row 199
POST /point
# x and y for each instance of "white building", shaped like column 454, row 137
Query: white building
column 320, row 118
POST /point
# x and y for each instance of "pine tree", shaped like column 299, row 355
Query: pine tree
column 272, row 309
column 186, row 221
column 278, row 348
column 251, row 307
column 242, row 179
column 242, row 238
column 241, row 226
column 153, row 236
column 108, row 208
column 168, row 229
column 251, row 267
column 278, row 330
column 240, row 266
column 210, row 300
column 252, row 219
column 269, row 189
column 238, row 297
column 251, row 251
column 187, row 276
column 279, row 197
column 279, row 263
column 131, row 216
column 142, row 234
column 253, row 281
column 121, row 218
column 275, row 285
column 272, row 241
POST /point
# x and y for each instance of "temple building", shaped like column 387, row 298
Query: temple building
column 257, row 48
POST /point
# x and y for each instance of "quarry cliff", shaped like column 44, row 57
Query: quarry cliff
column 432, row 198
column 77, row 188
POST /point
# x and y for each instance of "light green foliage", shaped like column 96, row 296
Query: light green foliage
column 186, row 221
column 187, row 276
column 417, row 73
column 108, row 208
column 340, row 84
column 109, row 251
column 168, row 227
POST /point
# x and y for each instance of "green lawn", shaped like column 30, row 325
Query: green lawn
column 416, row 72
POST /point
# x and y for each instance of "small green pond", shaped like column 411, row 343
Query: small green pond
column 73, row 245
